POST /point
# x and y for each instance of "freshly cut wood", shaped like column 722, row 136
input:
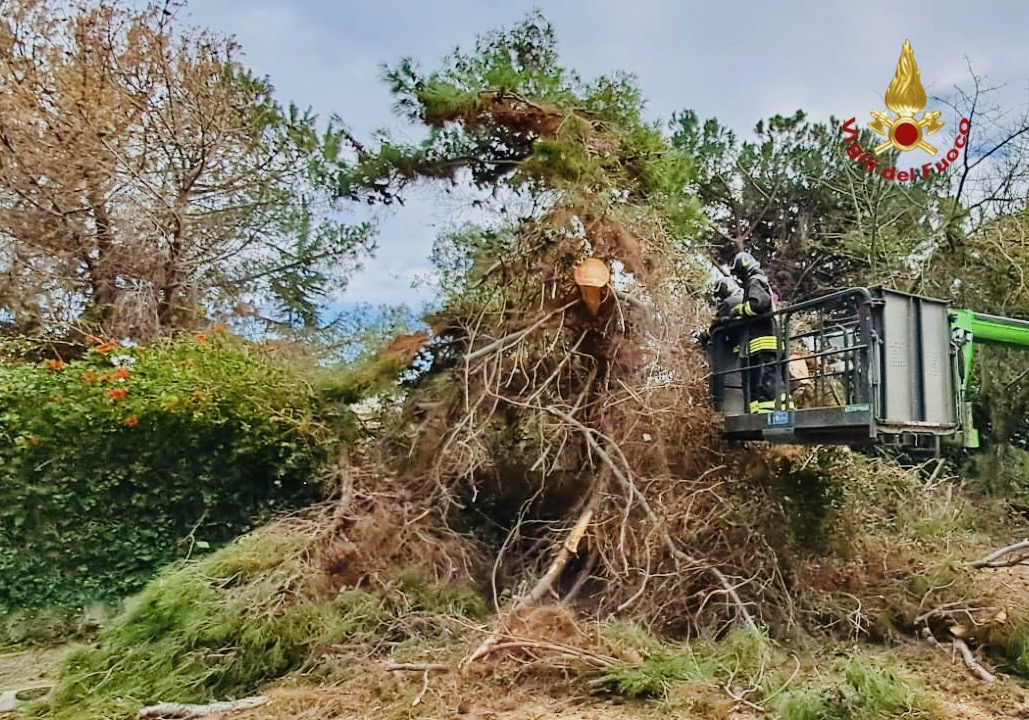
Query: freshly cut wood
column 800, row 373
column 568, row 550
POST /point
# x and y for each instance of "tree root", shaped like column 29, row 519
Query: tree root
column 543, row 585
column 669, row 544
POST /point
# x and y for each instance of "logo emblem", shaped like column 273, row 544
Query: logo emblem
column 906, row 98
column 905, row 127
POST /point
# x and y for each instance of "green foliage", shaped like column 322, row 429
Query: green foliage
column 109, row 471
column 212, row 629
column 1018, row 651
column 867, row 690
column 941, row 520
column 628, row 635
column 415, row 591
column 220, row 626
column 812, row 216
column 511, row 116
column 802, row 705
column 811, row 494
column 741, row 651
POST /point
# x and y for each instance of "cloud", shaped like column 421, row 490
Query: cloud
column 737, row 61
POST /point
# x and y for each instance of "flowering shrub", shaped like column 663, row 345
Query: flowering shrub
column 116, row 463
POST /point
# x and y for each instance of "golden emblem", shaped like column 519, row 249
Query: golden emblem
column 906, row 98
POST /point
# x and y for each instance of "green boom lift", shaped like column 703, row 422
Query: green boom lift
column 862, row 366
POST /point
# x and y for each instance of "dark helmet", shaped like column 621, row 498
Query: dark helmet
column 744, row 266
column 723, row 287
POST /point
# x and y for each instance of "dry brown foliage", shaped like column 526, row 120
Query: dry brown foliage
column 551, row 412
column 137, row 168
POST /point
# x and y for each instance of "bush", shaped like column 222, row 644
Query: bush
column 128, row 458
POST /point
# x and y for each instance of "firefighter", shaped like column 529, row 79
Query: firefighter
column 726, row 295
column 762, row 352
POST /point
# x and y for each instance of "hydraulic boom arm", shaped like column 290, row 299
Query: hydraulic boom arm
column 971, row 328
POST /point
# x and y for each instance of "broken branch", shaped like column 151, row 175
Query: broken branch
column 175, row 711
column 990, row 561
column 971, row 663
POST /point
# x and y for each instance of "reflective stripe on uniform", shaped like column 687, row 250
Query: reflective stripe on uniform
column 764, row 342
column 762, row 406
column 747, row 309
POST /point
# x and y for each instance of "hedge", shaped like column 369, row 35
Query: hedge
column 128, row 458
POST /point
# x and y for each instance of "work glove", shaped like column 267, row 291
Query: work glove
column 701, row 337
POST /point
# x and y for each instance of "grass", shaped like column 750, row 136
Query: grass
column 1010, row 646
column 222, row 626
column 864, row 688
column 742, row 651
column 857, row 686
column 942, row 519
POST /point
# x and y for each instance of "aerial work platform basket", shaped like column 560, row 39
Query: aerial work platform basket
column 858, row 366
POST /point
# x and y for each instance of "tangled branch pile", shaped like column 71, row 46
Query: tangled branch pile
column 542, row 411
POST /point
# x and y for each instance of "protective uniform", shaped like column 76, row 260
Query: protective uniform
column 762, row 348
column 727, row 296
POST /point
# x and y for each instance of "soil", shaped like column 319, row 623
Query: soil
column 29, row 667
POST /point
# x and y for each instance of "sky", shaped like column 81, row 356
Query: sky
column 734, row 60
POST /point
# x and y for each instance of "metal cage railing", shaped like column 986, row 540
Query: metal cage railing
column 823, row 358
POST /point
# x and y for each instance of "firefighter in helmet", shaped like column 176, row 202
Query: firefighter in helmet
column 762, row 351
column 726, row 295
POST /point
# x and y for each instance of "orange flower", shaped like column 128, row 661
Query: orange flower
column 131, row 421
column 92, row 340
column 117, row 393
column 55, row 365
column 219, row 328
column 89, row 378
column 106, row 347
column 121, row 374
column 201, row 337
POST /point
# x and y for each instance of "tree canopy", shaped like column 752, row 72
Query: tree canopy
column 149, row 180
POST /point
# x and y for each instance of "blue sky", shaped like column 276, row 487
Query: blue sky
column 734, row 60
